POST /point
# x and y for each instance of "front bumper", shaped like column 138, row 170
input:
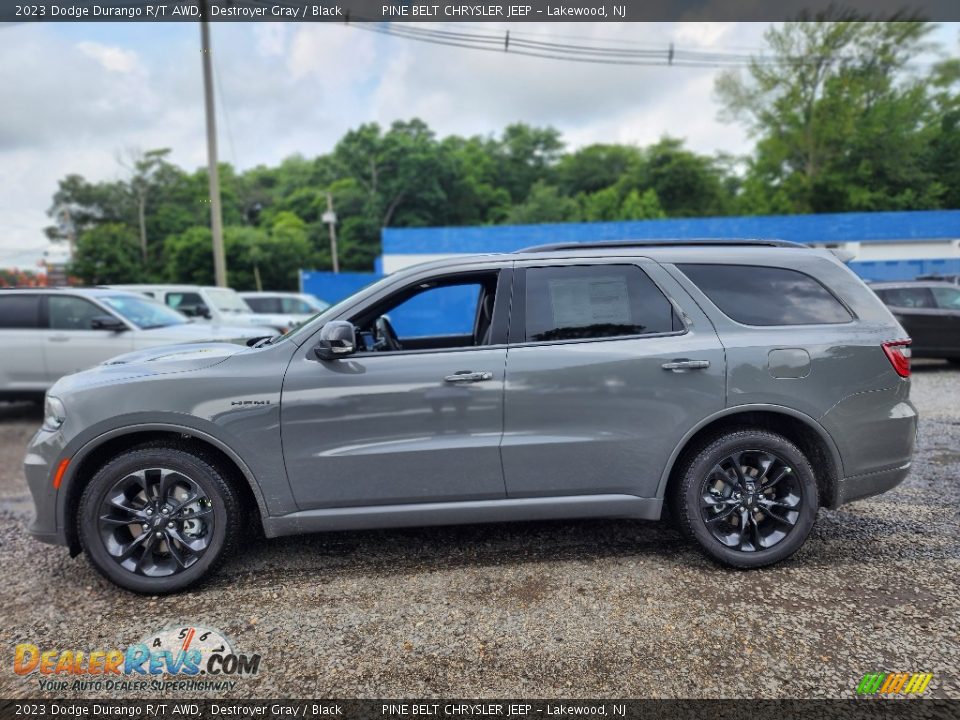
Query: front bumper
column 43, row 453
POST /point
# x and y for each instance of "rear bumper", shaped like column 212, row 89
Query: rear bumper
column 874, row 483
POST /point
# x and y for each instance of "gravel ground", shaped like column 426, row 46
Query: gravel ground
column 566, row 609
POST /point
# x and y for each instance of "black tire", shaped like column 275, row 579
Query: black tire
column 704, row 511
column 214, row 519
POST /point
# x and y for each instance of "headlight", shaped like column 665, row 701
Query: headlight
column 53, row 414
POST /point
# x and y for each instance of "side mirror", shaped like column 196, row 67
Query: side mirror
column 107, row 322
column 338, row 339
column 198, row 310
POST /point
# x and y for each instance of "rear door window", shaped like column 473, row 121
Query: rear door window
column 915, row 297
column 593, row 301
column 183, row 299
column 72, row 313
column 19, row 311
column 760, row 295
column 264, row 304
column 947, row 298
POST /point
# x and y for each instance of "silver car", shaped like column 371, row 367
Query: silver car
column 48, row 333
column 745, row 384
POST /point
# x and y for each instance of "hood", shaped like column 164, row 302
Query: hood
column 151, row 361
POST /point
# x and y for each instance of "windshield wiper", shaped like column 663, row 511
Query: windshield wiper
column 263, row 342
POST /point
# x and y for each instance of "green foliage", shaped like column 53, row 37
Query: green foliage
column 107, row 253
column 544, row 204
column 842, row 117
column 850, row 128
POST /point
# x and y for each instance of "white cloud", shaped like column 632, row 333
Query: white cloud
column 111, row 58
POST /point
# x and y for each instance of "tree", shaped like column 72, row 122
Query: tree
column 641, row 207
column 106, row 254
column 836, row 117
column 544, row 204
column 595, row 167
column 525, row 155
column 685, row 184
column 144, row 168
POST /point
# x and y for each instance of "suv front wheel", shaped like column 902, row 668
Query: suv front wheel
column 749, row 498
column 157, row 519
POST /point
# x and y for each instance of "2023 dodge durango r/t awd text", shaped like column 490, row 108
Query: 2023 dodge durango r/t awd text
column 745, row 384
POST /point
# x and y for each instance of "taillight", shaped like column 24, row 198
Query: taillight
column 898, row 353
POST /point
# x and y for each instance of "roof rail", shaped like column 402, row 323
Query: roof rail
column 660, row 242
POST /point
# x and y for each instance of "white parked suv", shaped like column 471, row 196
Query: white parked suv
column 209, row 303
column 299, row 306
column 47, row 333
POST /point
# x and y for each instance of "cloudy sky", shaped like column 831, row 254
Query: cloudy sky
column 78, row 96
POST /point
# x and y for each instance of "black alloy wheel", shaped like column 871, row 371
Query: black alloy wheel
column 157, row 519
column 751, row 500
column 748, row 497
column 156, row 522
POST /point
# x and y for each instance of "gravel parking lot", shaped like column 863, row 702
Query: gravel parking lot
column 565, row 609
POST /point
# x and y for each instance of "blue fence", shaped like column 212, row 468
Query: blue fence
column 904, row 269
column 836, row 227
column 334, row 287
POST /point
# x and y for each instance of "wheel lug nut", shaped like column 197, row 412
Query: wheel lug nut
column 159, row 534
column 170, row 524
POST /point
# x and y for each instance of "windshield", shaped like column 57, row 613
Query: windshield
column 144, row 312
column 227, row 301
column 314, row 303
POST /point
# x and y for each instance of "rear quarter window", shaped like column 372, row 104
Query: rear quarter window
column 760, row 295
column 19, row 311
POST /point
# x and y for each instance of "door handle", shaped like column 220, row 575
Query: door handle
column 467, row 376
column 684, row 365
column 58, row 338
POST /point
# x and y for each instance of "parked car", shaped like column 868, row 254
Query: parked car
column 745, row 384
column 930, row 312
column 212, row 304
column 955, row 279
column 299, row 306
column 48, row 333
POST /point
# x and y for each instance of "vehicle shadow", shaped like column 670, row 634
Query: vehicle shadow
column 840, row 538
column 400, row 551
column 21, row 411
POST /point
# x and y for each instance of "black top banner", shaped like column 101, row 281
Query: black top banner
column 522, row 11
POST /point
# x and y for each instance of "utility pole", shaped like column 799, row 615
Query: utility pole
column 330, row 218
column 216, row 217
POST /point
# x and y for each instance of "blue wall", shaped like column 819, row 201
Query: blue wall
column 904, row 269
column 334, row 287
column 840, row 227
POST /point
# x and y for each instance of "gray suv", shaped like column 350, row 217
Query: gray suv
column 744, row 384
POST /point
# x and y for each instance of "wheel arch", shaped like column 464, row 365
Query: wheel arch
column 801, row 429
column 96, row 452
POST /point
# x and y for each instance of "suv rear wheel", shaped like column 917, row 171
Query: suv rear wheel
column 748, row 497
column 157, row 519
